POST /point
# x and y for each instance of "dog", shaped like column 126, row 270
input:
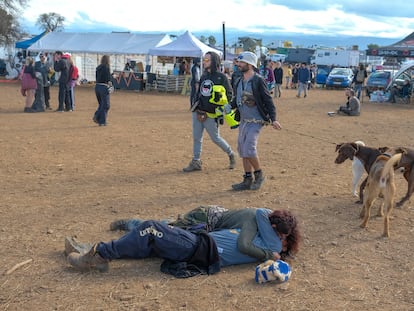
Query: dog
column 366, row 156
column 380, row 183
column 406, row 164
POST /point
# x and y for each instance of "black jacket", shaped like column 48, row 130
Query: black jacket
column 205, row 91
column 262, row 97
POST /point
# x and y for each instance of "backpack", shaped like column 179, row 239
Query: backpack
column 360, row 76
column 73, row 73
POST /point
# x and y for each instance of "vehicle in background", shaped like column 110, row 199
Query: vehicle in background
column 322, row 74
column 340, row 78
column 277, row 57
column 378, row 80
column 336, row 57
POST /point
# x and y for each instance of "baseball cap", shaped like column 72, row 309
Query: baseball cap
column 248, row 58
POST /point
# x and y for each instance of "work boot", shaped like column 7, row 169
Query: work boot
column 258, row 180
column 88, row 261
column 244, row 185
column 72, row 245
column 195, row 165
column 232, row 161
column 121, row 224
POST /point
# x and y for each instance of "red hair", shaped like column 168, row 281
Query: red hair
column 286, row 223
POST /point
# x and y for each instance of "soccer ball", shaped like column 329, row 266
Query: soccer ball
column 271, row 270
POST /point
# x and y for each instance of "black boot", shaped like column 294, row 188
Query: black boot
column 119, row 225
column 258, row 180
column 244, row 185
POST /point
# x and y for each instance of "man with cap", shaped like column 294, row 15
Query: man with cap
column 256, row 108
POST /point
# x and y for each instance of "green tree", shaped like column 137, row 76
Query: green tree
column 212, row 41
column 373, row 46
column 10, row 29
column 249, row 44
column 50, row 21
column 203, row 39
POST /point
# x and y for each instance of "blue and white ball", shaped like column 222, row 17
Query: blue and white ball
column 271, row 270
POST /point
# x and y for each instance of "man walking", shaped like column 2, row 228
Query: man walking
column 256, row 107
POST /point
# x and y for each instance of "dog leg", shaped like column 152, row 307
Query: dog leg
column 380, row 211
column 389, row 197
column 366, row 212
column 409, row 176
column 361, row 191
column 357, row 172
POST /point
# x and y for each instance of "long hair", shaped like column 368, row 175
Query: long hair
column 105, row 60
column 214, row 62
column 286, row 223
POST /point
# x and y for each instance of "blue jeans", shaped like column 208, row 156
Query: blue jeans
column 102, row 96
column 358, row 89
column 211, row 126
column 152, row 238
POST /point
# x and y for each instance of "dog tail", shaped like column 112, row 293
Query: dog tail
column 389, row 168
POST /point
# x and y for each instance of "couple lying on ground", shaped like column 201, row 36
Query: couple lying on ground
column 202, row 241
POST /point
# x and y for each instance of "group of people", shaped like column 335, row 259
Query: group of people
column 248, row 98
column 209, row 237
column 36, row 82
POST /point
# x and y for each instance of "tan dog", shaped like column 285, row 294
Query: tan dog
column 380, row 182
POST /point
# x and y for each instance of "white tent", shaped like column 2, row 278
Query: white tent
column 185, row 45
column 87, row 48
column 102, row 43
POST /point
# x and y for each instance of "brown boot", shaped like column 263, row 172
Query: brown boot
column 72, row 245
column 88, row 261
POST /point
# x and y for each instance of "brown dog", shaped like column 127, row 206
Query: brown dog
column 380, row 183
column 366, row 155
column 407, row 163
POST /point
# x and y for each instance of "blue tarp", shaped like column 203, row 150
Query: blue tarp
column 26, row 43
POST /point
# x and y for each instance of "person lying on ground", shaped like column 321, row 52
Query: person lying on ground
column 214, row 217
column 186, row 253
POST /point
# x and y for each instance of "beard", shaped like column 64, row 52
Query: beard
column 244, row 68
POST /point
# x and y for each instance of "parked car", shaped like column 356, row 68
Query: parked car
column 378, row 80
column 340, row 78
column 322, row 74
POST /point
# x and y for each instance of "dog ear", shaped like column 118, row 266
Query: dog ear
column 338, row 146
column 383, row 149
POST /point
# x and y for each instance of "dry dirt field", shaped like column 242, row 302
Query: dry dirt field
column 63, row 175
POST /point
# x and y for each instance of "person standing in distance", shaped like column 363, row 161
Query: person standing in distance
column 195, row 79
column 102, row 87
column 203, row 106
column 256, row 107
column 61, row 65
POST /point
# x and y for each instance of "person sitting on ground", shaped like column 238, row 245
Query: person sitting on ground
column 200, row 252
column 353, row 105
column 403, row 91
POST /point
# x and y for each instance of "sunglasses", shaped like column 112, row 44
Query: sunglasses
column 206, row 59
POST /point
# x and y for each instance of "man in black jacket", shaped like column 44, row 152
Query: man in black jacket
column 61, row 65
column 256, row 108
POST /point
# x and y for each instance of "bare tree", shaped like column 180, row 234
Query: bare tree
column 50, row 22
column 10, row 29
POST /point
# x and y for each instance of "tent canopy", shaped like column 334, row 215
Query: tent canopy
column 26, row 43
column 102, row 43
column 185, row 45
column 402, row 48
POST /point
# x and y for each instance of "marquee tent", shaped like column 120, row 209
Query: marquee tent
column 402, row 48
column 102, row 43
column 185, row 45
column 87, row 48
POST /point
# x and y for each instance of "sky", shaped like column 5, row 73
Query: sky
column 360, row 18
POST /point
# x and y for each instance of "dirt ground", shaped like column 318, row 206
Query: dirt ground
column 63, row 175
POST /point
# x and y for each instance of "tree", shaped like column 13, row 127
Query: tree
column 249, row 44
column 373, row 46
column 50, row 22
column 203, row 39
column 212, row 41
column 10, row 29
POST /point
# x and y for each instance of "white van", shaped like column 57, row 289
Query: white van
column 277, row 57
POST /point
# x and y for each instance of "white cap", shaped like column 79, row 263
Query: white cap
column 248, row 58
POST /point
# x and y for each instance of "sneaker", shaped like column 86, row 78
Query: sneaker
column 195, row 165
column 258, row 180
column 244, row 185
column 28, row 109
column 232, row 161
